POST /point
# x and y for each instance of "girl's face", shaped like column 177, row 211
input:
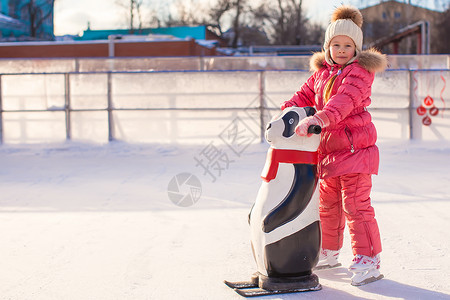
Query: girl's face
column 342, row 49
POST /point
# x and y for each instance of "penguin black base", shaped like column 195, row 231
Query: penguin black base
column 261, row 285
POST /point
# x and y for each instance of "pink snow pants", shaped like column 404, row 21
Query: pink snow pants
column 347, row 198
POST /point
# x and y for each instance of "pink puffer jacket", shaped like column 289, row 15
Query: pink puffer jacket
column 348, row 143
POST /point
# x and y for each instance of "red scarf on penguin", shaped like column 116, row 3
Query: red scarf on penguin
column 276, row 156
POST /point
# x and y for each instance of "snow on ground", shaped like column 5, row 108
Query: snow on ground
column 83, row 221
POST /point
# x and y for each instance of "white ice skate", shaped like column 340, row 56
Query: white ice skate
column 365, row 269
column 328, row 259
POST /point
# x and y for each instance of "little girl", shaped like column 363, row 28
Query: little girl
column 340, row 89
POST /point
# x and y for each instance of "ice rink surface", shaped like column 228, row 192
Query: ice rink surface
column 86, row 221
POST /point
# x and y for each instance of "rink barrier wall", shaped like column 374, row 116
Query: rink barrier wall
column 197, row 106
column 197, row 63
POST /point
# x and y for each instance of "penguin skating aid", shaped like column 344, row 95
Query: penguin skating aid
column 284, row 220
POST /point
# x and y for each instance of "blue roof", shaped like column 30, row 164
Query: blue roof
column 182, row 32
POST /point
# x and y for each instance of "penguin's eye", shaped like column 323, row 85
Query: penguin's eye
column 290, row 119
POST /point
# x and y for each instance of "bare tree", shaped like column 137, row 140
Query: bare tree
column 282, row 23
column 236, row 23
column 137, row 5
column 236, row 11
column 33, row 15
column 278, row 22
column 298, row 20
column 188, row 13
column 217, row 12
column 289, row 26
column 133, row 8
column 285, row 22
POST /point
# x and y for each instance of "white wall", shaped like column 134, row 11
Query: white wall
column 197, row 107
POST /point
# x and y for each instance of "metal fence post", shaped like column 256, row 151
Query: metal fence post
column 412, row 134
column 1, row 112
column 262, row 108
column 67, row 107
column 202, row 66
column 110, row 108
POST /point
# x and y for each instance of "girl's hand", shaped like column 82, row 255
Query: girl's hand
column 319, row 118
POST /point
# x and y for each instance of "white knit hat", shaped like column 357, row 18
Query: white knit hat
column 346, row 20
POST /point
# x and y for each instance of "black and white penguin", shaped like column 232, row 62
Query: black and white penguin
column 284, row 221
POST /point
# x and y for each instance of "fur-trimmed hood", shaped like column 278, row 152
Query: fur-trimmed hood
column 371, row 60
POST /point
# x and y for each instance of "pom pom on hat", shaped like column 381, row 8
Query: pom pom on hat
column 345, row 20
column 347, row 12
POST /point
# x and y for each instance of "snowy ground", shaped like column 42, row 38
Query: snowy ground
column 84, row 221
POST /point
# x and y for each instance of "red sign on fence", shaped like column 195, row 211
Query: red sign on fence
column 428, row 101
column 426, row 121
column 434, row 111
column 421, row 110
column 427, row 106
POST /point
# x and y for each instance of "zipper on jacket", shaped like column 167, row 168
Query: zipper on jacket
column 350, row 138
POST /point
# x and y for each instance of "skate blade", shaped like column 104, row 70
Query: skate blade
column 325, row 267
column 240, row 284
column 258, row 292
column 368, row 280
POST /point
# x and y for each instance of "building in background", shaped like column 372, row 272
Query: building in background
column 29, row 20
column 8, row 24
column 201, row 32
column 389, row 25
column 389, row 18
column 149, row 42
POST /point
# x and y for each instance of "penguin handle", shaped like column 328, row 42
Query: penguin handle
column 315, row 129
